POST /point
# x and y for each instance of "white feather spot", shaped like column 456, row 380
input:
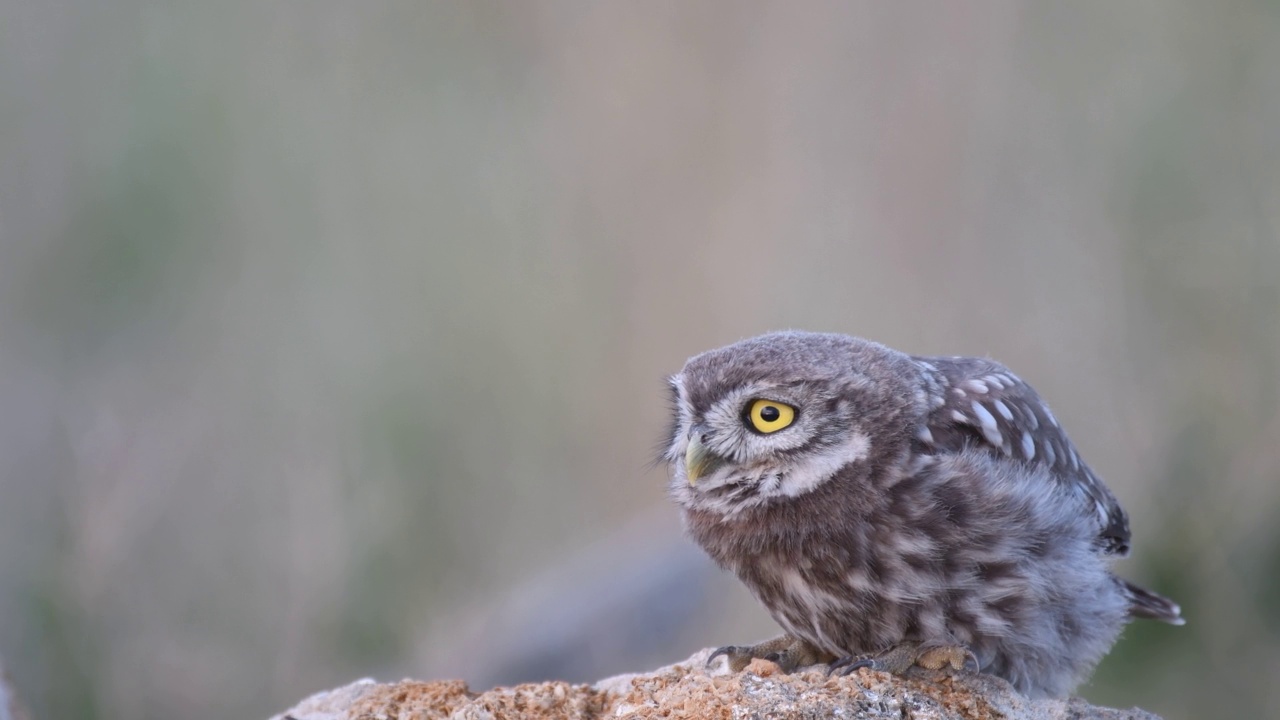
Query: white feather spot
column 1050, row 457
column 988, row 422
column 994, row 381
column 924, row 434
column 907, row 543
column 816, row 601
column 1002, row 409
column 815, row 622
column 977, row 386
column 861, row 581
column 1075, row 459
column 1028, row 445
column 1049, row 414
column 959, row 392
column 959, row 416
column 794, row 584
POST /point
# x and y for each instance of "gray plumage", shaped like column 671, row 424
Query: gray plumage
column 902, row 500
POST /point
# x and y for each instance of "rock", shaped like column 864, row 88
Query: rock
column 689, row 690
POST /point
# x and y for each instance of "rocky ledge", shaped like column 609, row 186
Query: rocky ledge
column 690, row 690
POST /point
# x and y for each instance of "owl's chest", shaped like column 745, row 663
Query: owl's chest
column 826, row 597
column 752, row 546
column 846, row 589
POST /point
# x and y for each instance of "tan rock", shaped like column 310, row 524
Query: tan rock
column 689, row 690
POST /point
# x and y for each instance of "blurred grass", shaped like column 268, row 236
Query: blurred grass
column 332, row 337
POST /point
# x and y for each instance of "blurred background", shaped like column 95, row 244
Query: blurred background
column 333, row 335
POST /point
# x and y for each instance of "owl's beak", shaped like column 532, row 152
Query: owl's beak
column 699, row 461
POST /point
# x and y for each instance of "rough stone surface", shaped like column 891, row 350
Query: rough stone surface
column 689, row 690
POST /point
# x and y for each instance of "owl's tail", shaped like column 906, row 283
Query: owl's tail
column 1145, row 604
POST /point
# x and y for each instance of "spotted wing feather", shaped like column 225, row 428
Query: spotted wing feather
column 979, row 401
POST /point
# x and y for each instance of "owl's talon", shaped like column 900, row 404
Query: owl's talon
column 955, row 658
column 787, row 652
column 846, row 665
column 901, row 658
column 733, row 653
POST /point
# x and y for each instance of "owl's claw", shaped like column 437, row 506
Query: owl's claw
column 970, row 664
column 849, row 663
column 739, row 657
column 898, row 660
column 787, row 652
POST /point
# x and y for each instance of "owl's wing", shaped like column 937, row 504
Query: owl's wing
column 983, row 403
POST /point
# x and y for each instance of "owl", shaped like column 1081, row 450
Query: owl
column 893, row 511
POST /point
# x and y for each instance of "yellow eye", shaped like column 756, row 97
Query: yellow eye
column 767, row 416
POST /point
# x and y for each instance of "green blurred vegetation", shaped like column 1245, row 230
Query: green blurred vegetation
column 332, row 335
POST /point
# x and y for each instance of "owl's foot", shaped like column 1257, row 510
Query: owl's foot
column 897, row 660
column 788, row 652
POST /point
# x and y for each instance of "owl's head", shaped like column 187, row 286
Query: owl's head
column 776, row 416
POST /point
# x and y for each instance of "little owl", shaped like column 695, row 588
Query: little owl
column 893, row 511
